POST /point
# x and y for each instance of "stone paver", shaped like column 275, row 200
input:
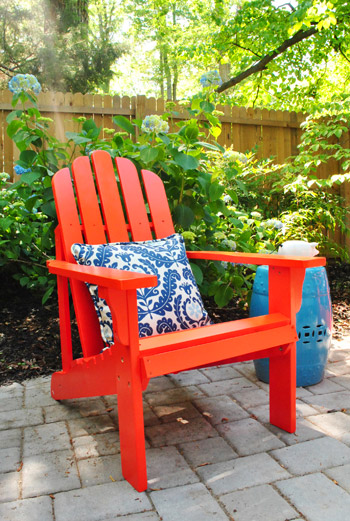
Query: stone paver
column 211, row 453
column 340, row 475
column 262, row 412
column 9, row 487
column 27, row 510
column 93, row 425
column 167, row 468
column 176, row 395
column 96, row 445
column 50, row 437
column 249, row 437
column 10, row 438
column 317, row 497
column 305, row 431
column 9, row 459
column 330, row 402
column 240, row 473
column 176, row 412
column 336, row 425
column 100, row 502
column 95, row 471
column 325, row 387
column 49, row 473
column 178, row 432
column 194, row 504
column 20, row 418
column 204, row 452
column 10, row 403
column 220, row 409
column 225, row 372
column 227, row 386
column 313, row 456
column 260, row 503
column 189, row 378
column 251, row 398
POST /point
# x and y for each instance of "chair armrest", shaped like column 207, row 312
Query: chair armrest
column 259, row 259
column 108, row 277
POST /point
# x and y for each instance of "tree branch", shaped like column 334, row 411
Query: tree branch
column 262, row 64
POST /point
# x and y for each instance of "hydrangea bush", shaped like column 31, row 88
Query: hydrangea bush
column 27, row 211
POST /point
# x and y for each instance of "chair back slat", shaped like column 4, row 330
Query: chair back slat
column 133, row 199
column 111, row 205
column 89, row 210
column 158, row 204
column 66, row 208
column 69, row 233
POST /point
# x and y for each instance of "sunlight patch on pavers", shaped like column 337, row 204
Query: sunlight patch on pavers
column 242, row 472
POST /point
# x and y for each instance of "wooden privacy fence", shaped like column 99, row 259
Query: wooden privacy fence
column 274, row 133
column 271, row 133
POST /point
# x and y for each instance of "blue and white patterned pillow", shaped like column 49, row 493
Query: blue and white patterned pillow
column 174, row 304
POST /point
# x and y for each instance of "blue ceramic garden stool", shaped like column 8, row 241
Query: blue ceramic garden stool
column 314, row 324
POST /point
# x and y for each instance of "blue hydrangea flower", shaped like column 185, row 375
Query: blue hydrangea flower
column 211, row 79
column 24, row 83
column 274, row 223
column 155, row 124
column 233, row 155
column 19, row 170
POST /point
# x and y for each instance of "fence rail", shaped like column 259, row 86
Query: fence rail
column 270, row 133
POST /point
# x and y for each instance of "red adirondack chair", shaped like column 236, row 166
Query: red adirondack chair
column 85, row 216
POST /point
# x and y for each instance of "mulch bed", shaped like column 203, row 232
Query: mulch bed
column 29, row 332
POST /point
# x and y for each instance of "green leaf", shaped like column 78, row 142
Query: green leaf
column 215, row 191
column 149, row 154
column 91, row 129
column 210, row 146
column 124, row 123
column 223, row 295
column 191, row 132
column 49, row 209
column 13, row 115
column 77, row 138
column 206, row 106
column 183, row 215
column 13, row 127
column 28, row 156
column 30, row 177
column 197, row 272
column 185, row 161
column 237, row 281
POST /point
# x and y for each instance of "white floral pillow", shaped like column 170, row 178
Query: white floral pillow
column 174, row 304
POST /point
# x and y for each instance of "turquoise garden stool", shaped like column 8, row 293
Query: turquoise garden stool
column 314, row 324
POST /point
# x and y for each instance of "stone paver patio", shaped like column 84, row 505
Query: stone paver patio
column 211, row 452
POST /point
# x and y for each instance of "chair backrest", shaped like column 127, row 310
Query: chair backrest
column 99, row 208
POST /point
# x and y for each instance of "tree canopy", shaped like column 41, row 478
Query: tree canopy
column 69, row 45
column 288, row 54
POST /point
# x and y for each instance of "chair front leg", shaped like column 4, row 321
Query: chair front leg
column 285, row 294
column 129, row 388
